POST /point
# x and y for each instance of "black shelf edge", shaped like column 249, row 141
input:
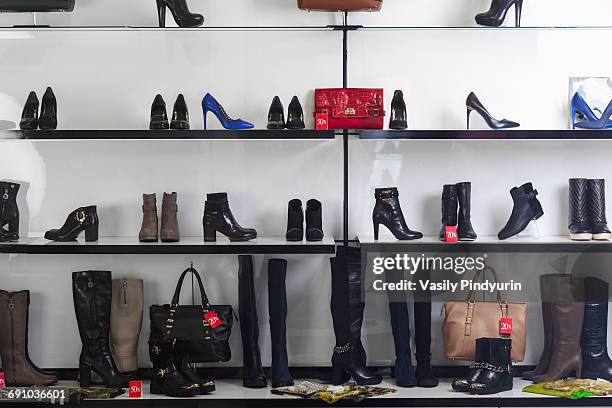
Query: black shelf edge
column 485, row 135
column 258, row 134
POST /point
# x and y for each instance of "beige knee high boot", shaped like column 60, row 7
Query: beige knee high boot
column 126, row 322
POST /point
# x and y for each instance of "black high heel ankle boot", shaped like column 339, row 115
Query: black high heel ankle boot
column 29, row 116
column 314, row 221
column 9, row 212
column 526, row 208
column 180, row 11
column 276, row 115
column 473, row 104
column 497, row 371
column 219, row 218
column 180, row 114
column 465, row 231
column 159, row 116
column 295, row 115
column 48, row 111
column 449, row 208
column 388, row 212
column 295, row 221
column 181, row 362
column 398, row 119
column 81, row 219
column 166, row 379
column 496, row 14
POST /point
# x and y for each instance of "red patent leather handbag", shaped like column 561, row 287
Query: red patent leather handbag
column 351, row 108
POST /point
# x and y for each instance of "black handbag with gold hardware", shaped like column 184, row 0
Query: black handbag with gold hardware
column 206, row 327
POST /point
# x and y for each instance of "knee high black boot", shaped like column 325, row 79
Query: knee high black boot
column 92, row 293
column 596, row 362
column 253, row 375
column 422, row 334
column 277, row 305
column 347, row 314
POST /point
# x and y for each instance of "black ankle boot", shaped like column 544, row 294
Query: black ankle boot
column 29, row 116
column 92, row 292
column 219, row 218
column 165, row 377
column 388, row 212
column 398, row 112
column 596, row 203
column 180, row 12
column 596, row 363
column 48, row 111
column 449, row 208
column 526, row 208
column 579, row 226
column 476, row 369
column 277, row 306
column 159, row 116
column 180, row 114
column 252, row 373
column 495, row 16
column 314, row 221
column 497, row 372
column 276, row 114
column 465, row 231
column 81, row 219
column 422, row 332
column 295, row 115
column 9, row 211
column 295, row 221
column 181, row 362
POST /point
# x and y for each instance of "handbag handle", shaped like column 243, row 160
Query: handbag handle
column 177, row 292
column 500, row 297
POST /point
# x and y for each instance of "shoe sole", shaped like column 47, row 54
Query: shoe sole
column 582, row 237
column 602, row 237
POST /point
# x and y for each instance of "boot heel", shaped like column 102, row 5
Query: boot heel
column 13, row 226
column 84, row 376
column 161, row 12
column 338, row 375
column 210, row 233
column 91, row 233
column 205, row 115
column 376, row 230
column 579, row 371
column 155, row 389
column 518, row 7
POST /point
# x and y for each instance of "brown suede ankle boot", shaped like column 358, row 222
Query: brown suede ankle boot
column 169, row 221
column 148, row 231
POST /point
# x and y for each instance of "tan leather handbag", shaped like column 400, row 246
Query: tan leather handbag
column 340, row 5
column 464, row 322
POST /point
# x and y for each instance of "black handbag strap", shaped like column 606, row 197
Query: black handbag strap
column 177, row 292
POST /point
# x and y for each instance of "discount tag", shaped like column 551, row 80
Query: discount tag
column 450, row 234
column 322, row 121
column 135, row 390
column 505, row 326
column 212, row 319
column 2, row 381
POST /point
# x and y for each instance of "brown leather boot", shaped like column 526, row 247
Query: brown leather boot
column 148, row 231
column 169, row 221
column 18, row 369
column 126, row 322
column 567, row 315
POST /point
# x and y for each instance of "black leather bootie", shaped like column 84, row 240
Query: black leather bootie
column 295, row 221
column 497, row 374
column 465, row 231
column 159, row 116
column 81, row 219
column 476, row 369
column 526, row 208
column 596, row 363
column 180, row 114
column 219, row 218
column 579, row 226
column 295, row 115
column 495, row 16
column 596, row 203
column 181, row 362
column 166, row 378
column 29, row 116
column 180, row 12
column 277, row 306
column 92, row 294
column 276, row 115
column 398, row 119
column 388, row 212
column 9, row 211
column 48, row 111
column 314, row 221
column 449, row 208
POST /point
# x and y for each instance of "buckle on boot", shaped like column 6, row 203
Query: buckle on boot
column 155, row 350
column 80, row 216
column 343, row 349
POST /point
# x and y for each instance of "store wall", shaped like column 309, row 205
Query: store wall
column 107, row 79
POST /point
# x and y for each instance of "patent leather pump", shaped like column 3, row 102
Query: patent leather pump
column 219, row 218
column 276, row 115
column 600, row 123
column 180, row 114
column 388, row 212
column 159, row 116
column 398, row 119
column 180, row 11
column 496, row 15
column 210, row 104
column 580, row 109
column 81, row 219
column 473, row 104
column 29, row 116
column 48, row 111
column 295, row 115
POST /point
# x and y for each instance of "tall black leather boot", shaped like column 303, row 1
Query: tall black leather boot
column 526, row 208
column 465, row 231
column 596, row 196
column 277, row 305
column 166, row 378
column 449, row 208
column 219, row 218
column 400, row 326
column 388, row 212
column 578, row 214
column 92, row 293
column 497, row 375
column 9, row 211
column 596, row 363
column 422, row 333
column 347, row 309
column 252, row 374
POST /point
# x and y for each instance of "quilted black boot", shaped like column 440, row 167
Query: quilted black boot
column 596, row 199
column 578, row 216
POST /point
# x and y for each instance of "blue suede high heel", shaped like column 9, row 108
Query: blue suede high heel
column 601, row 123
column 210, row 104
column 580, row 107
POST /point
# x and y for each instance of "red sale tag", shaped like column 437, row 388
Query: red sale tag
column 212, row 319
column 2, row 381
column 322, row 121
column 450, row 234
column 505, row 326
column 135, row 390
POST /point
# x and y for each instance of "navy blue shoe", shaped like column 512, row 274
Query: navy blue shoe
column 581, row 109
column 600, row 123
column 210, row 104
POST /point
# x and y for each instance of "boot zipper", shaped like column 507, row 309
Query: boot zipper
column 11, row 307
column 124, row 284
column 4, row 199
column 92, row 296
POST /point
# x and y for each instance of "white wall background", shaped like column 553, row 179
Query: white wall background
column 106, row 79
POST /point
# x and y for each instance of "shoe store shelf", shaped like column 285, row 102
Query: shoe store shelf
column 187, row 246
column 259, row 134
column 548, row 244
column 485, row 135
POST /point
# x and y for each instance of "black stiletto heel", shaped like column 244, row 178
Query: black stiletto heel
column 472, row 103
column 376, row 230
column 496, row 15
column 161, row 12
column 180, row 11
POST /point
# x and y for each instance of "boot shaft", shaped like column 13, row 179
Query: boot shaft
column 596, row 191
column 594, row 339
column 92, row 295
column 8, row 202
column 14, row 321
column 578, row 209
column 449, row 205
column 464, row 198
column 387, row 204
column 126, row 322
column 169, row 220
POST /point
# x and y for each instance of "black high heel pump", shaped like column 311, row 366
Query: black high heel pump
column 496, row 14
column 473, row 104
column 180, row 11
column 48, row 111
